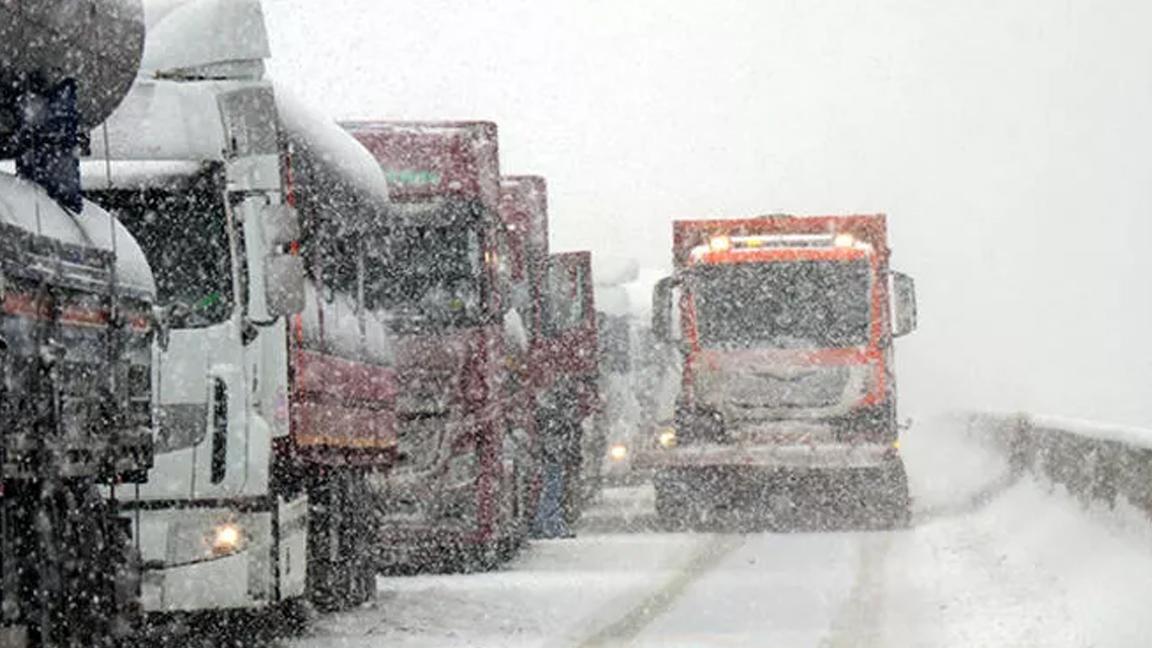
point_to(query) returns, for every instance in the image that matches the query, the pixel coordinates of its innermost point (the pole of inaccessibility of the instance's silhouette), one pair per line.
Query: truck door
(242, 381)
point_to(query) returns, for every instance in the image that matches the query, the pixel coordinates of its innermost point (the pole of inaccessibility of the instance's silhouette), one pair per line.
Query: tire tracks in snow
(860, 621)
(629, 626)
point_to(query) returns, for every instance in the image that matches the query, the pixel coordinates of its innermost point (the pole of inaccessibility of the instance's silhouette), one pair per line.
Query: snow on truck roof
(168, 129)
(26, 206)
(187, 35)
(325, 139)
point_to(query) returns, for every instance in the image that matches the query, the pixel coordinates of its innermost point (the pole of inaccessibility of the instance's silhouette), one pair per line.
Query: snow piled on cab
(184, 34)
(28, 207)
(325, 139)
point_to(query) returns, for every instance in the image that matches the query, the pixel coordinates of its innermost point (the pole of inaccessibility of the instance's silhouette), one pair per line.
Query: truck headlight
(618, 452)
(227, 538)
(197, 536)
(667, 438)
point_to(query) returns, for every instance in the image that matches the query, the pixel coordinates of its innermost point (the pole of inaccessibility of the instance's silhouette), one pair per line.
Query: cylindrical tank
(99, 43)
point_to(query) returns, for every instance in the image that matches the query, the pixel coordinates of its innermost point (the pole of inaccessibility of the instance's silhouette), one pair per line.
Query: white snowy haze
(1009, 141)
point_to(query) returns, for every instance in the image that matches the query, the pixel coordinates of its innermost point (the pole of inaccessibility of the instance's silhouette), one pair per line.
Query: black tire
(672, 504)
(71, 564)
(294, 616)
(521, 517)
(341, 569)
(891, 502)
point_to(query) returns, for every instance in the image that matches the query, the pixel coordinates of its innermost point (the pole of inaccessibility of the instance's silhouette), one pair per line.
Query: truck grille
(751, 392)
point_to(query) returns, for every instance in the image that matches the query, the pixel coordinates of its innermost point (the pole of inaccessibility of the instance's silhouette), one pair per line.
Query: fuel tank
(99, 43)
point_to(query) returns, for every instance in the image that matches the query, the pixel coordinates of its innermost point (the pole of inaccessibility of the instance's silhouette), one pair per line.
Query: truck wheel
(891, 503)
(341, 573)
(900, 497)
(672, 504)
(323, 566)
(484, 557)
(69, 559)
(519, 493)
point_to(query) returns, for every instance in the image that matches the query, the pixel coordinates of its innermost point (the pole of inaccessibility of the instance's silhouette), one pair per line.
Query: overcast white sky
(1008, 141)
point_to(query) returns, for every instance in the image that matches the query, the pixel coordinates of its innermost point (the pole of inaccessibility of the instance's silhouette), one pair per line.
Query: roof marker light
(720, 244)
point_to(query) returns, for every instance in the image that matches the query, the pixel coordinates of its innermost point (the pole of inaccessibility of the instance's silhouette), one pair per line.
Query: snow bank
(1128, 435)
(1032, 569)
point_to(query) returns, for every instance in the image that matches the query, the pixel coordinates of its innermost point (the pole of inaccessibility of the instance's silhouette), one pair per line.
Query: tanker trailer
(76, 297)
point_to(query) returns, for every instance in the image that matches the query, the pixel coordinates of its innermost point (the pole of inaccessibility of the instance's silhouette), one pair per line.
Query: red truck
(785, 329)
(570, 396)
(524, 215)
(452, 500)
(553, 386)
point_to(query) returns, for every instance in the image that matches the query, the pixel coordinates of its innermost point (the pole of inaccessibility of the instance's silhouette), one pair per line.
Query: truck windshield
(428, 274)
(183, 232)
(802, 304)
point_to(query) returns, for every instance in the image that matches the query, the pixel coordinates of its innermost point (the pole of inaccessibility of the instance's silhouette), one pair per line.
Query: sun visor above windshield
(98, 175)
(779, 231)
(163, 120)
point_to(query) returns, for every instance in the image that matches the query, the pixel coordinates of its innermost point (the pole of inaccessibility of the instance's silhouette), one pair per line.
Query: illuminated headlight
(618, 452)
(227, 538)
(202, 535)
(844, 240)
(667, 438)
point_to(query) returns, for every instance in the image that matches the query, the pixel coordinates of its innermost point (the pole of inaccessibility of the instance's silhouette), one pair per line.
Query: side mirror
(666, 310)
(284, 284)
(283, 272)
(281, 225)
(903, 304)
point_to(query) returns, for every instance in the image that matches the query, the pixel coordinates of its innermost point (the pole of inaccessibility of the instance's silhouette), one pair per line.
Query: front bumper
(178, 581)
(825, 456)
(211, 585)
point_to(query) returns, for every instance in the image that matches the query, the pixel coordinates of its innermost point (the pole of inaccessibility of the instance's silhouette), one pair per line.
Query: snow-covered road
(987, 563)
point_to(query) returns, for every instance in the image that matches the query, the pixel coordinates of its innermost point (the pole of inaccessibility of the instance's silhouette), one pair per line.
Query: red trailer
(451, 499)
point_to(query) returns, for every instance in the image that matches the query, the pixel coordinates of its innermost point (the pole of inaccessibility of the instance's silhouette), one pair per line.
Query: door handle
(219, 463)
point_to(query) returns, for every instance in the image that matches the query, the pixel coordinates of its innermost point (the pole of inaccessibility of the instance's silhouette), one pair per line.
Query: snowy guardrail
(1094, 461)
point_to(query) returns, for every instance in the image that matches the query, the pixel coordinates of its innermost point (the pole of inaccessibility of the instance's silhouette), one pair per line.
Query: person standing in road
(549, 521)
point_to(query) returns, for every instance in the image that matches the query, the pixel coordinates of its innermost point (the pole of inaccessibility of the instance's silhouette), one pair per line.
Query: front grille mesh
(818, 387)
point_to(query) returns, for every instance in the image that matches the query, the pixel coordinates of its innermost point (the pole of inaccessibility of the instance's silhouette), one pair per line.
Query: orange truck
(784, 326)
